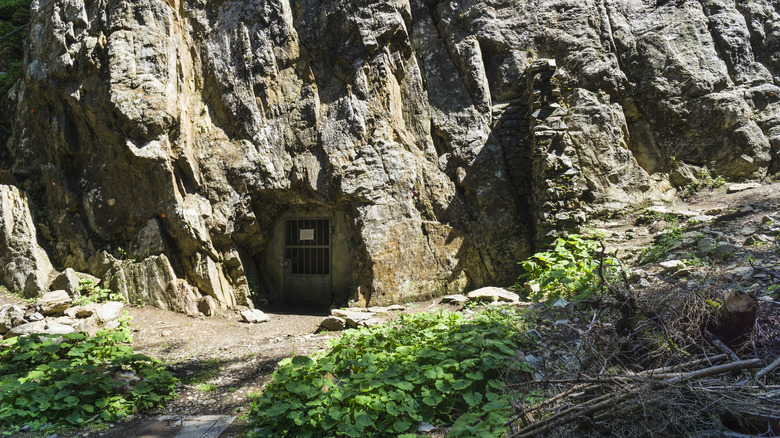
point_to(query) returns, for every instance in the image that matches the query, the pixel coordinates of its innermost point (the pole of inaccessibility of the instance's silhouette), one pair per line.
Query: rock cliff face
(162, 141)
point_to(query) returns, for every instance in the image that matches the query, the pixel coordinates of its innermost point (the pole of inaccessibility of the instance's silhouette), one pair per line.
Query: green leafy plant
(668, 241)
(570, 270)
(705, 181)
(91, 293)
(383, 381)
(51, 381)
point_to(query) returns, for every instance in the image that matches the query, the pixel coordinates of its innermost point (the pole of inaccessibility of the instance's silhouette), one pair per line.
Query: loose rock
(207, 305)
(254, 316)
(734, 188)
(492, 294)
(54, 303)
(333, 323)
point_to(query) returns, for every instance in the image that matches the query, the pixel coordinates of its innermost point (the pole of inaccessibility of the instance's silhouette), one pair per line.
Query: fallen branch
(622, 389)
(768, 369)
(720, 345)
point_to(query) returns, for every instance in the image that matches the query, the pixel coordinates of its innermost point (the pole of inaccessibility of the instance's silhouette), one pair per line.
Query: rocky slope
(160, 142)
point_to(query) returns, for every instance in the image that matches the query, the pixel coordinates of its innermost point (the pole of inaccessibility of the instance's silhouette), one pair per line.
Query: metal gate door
(307, 252)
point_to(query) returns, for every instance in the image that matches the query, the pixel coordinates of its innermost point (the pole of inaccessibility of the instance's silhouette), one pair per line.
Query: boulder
(24, 265)
(254, 316)
(26, 329)
(56, 328)
(109, 312)
(70, 281)
(10, 316)
(333, 323)
(54, 303)
(492, 294)
(208, 306)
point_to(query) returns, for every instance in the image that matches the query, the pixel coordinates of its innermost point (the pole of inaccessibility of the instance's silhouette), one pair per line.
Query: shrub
(69, 380)
(383, 381)
(570, 270)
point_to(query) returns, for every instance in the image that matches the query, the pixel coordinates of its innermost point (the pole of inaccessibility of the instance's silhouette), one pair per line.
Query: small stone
(742, 271)
(560, 302)
(734, 188)
(493, 294)
(453, 299)
(396, 308)
(333, 323)
(35, 317)
(84, 312)
(672, 265)
(254, 316)
(643, 282)
(354, 319)
(683, 272)
(54, 303)
(426, 427)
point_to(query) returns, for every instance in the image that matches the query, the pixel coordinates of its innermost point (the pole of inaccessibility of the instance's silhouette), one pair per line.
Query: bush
(383, 381)
(570, 270)
(69, 380)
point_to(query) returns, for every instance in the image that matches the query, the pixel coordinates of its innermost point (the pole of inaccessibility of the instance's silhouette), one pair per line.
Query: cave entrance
(307, 260)
(306, 266)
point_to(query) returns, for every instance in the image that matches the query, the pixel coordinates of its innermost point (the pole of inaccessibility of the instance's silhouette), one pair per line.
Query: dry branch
(623, 391)
(768, 369)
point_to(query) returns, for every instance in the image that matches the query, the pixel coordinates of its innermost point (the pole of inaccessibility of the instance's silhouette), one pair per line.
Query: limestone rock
(254, 316)
(10, 316)
(24, 265)
(333, 323)
(54, 303)
(454, 299)
(80, 311)
(70, 281)
(67, 281)
(56, 328)
(451, 138)
(109, 312)
(354, 319)
(493, 294)
(672, 265)
(734, 188)
(26, 329)
(208, 306)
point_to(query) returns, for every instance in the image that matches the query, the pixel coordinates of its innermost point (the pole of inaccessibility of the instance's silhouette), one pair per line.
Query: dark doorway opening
(307, 262)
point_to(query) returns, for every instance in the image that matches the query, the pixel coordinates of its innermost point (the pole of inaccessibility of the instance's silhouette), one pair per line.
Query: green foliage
(69, 380)
(90, 293)
(705, 181)
(383, 381)
(570, 270)
(13, 15)
(670, 240)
